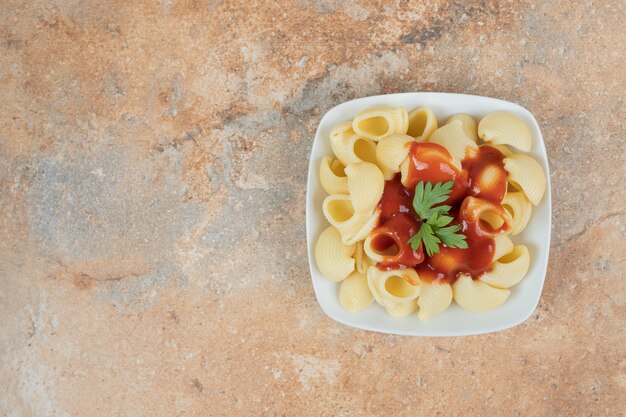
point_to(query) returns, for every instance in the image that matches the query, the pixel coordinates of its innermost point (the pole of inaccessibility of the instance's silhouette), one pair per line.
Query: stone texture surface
(152, 182)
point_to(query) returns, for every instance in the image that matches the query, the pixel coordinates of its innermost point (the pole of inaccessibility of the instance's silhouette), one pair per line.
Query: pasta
(430, 154)
(434, 299)
(392, 290)
(452, 137)
(333, 258)
(333, 176)
(476, 295)
(470, 128)
(390, 152)
(354, 293)
(491, 219)
(361, 259)
(504, 149)
(340, 132)
(366, 184)
(421, 215)
(502, 128)
(490, 177)
(520, 209)
(503, 245)
(404, 171)
(376, 255)
(509, 269)
(352, 225)
(527, 175)
(378, 122)
(351, 148)
(402, 309)
(422, 123)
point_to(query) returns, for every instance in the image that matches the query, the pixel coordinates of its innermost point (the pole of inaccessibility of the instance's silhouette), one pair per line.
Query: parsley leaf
(426, 235)
(450, 238)
(426, 196)
(439, 221)
(433, 230)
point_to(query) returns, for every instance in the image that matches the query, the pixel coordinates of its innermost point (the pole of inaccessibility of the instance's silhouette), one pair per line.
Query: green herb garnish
(435, 219)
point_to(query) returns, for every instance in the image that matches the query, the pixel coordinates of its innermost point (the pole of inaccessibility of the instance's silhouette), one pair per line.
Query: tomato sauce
(399, 222)
(487, 161)
(432, 162)
(449, 262)
(392, 239)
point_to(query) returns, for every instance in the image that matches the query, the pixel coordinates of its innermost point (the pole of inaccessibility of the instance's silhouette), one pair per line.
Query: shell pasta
(334, 259)
(527, 175)
(476, 295)
(453, 137)
(421, 214)
(351, 148)
(333, 176)
(422, 123)
(354, 293)
(390, 152)
(468, 124)
(365, 185)
(434, 299)
(378, 122)
(393, 291)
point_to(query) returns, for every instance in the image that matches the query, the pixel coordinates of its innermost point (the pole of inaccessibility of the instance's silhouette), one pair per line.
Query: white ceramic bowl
(455, 321)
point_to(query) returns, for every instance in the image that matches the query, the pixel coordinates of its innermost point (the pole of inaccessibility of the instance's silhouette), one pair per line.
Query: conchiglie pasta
(516, 203)
(391, 247)
(503, 128)
(476, 295)
(503, 149)
(527, 175)
(432, 153)
(390, 152)
(491, 219)
(493, 197)
(333, 176)
(491, 178)
(333, 258)
(469, 125)
(391, 288)
(402, 309)
(503, 245)
(342, 130)
(354, 293)
(362, 227)
(361, 259)
(404, 171)
(453, 138)
(365, 184)
(445, 261)
(377, 122)
(337, 209)
(422, 123)
(352, 225)
(434, 299)
(351, 148)
(509, 269)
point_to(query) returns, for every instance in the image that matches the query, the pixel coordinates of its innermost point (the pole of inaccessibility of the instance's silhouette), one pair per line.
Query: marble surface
(153, 159)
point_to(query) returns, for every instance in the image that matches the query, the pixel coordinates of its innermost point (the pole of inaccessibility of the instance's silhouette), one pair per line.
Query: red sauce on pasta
(486, 174)
(482, 176)
(450, 262)
(398, 222)
(432, 162)
(392, 238)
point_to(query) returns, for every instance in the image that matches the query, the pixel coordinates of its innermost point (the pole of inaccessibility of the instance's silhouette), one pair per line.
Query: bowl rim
(313, 186)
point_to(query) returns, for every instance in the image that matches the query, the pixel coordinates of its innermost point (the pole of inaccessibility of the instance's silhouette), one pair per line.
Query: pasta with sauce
(381, 159)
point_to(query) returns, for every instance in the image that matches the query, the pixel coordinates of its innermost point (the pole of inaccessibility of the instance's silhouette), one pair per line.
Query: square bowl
(454, 321)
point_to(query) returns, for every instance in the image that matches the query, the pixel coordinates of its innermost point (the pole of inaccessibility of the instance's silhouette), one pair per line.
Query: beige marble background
(153, 162)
